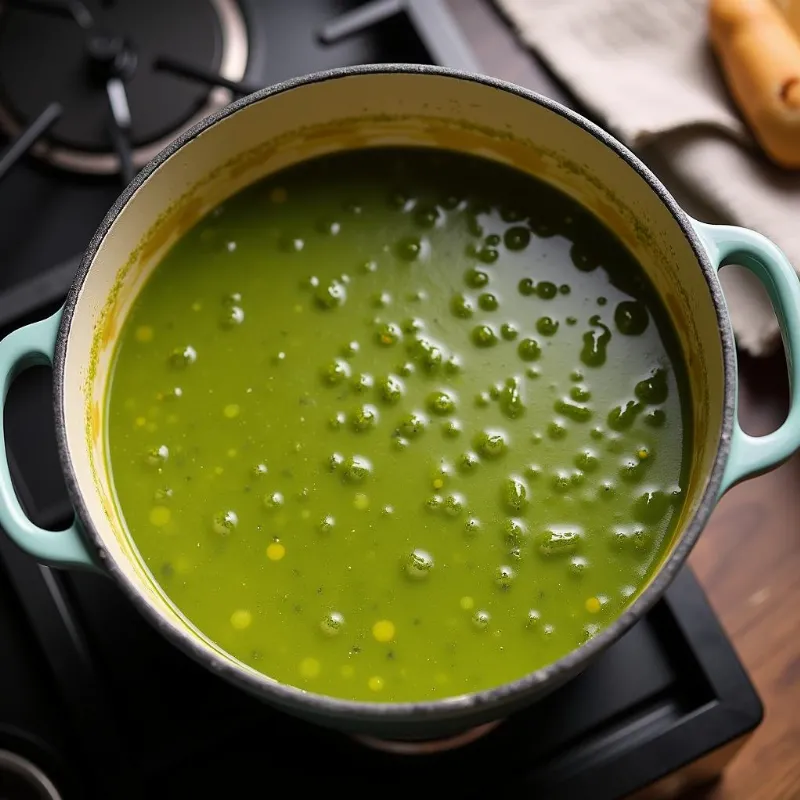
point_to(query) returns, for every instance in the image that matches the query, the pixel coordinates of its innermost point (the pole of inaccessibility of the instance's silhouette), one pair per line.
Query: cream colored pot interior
(368, 110)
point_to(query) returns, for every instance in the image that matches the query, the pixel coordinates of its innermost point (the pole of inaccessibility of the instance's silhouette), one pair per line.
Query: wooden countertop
(748, 559)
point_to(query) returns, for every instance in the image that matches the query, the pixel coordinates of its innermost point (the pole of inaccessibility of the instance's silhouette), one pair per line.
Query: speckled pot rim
(477, 704)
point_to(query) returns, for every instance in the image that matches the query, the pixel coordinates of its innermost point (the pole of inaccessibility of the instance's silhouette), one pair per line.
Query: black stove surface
(88, 691)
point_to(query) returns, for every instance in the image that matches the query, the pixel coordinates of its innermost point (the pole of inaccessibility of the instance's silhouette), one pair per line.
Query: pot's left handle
(34, 344)
(728, 244)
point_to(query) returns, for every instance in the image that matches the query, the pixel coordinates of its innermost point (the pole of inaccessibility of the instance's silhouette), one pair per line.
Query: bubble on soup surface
(631, 318)
(388, 334)
(331, 295)
(356, 469)
(462, 306)
(157, 456)
(517, 238)
(481, 620)
(183, 356)
(441, 402)
(409, 248)
(326, 524)
(231, 316)
(504, 577)
(418, 564)
(514, 493)
(365, 418)
(454, 505)
(331, 624)
(559, 541)
(224, 522)
(484, 336)
(491, 443)
(514, 531)
(529, 350)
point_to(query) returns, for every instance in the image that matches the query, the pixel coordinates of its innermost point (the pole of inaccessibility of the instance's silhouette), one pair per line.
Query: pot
(365, 107)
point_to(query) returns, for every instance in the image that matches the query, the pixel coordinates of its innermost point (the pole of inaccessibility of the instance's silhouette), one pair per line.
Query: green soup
(395, 425)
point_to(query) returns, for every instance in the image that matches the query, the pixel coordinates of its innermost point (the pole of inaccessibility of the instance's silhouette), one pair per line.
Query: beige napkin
(645, 70)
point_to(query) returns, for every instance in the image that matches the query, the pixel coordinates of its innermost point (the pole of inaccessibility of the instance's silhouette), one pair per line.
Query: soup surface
(395, 425)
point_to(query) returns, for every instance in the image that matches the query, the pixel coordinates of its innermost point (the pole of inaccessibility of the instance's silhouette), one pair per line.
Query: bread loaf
(760, 56)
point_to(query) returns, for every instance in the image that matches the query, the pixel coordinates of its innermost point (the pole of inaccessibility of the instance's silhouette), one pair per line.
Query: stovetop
(88, 691)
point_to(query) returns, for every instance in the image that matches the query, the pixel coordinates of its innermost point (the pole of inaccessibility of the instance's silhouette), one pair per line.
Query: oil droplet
(275, 551)
(383, 630)
(375, 683)
(593, 605)
(347, 671)
(241, 619)
(331, 624)
(418, 566)
(231, 411)
(310, 667)
(144, 334)
(467, 603)
(160, 516)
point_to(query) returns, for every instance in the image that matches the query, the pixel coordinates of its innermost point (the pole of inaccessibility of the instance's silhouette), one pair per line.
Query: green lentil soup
(395, 425)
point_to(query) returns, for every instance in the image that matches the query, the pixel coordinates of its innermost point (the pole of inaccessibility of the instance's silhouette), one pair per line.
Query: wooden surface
(748, 559)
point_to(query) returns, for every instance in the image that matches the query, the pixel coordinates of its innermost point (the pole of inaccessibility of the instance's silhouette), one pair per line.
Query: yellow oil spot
(347, 671)
(383, 630)
(241, 619)
(231, 411)
(233, 452)
(305, 514)
(310, 667)
(643, 453)
(361, 502)
(440, 679)
(140, 422)
(275, 551)
(438, 483)
(197, 306)
(172, 419)
(130, 404)
(375, 683)
(160, 516)
(298, 309)
(386, 339)
(593, 605)
(144, 333)
(218, 470)
(279, 195)
(159, 395)
(467, 603)
(151, 427)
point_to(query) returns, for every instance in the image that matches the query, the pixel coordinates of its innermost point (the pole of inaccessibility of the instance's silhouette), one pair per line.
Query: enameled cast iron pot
(365, 107)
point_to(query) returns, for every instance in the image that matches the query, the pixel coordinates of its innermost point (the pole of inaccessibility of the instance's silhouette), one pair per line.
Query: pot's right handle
(727, 244)
(26, 347)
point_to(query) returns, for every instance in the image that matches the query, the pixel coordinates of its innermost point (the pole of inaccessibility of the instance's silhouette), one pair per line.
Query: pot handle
(23, 348)
(727, 244)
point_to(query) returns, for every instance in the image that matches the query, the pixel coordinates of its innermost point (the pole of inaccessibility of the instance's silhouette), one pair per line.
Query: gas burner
(431, 746)
(89, 74)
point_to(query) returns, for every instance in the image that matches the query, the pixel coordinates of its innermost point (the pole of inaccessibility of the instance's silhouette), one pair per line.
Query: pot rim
(460, 705)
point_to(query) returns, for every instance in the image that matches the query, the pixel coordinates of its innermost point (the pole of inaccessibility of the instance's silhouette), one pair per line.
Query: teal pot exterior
(370, 107)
